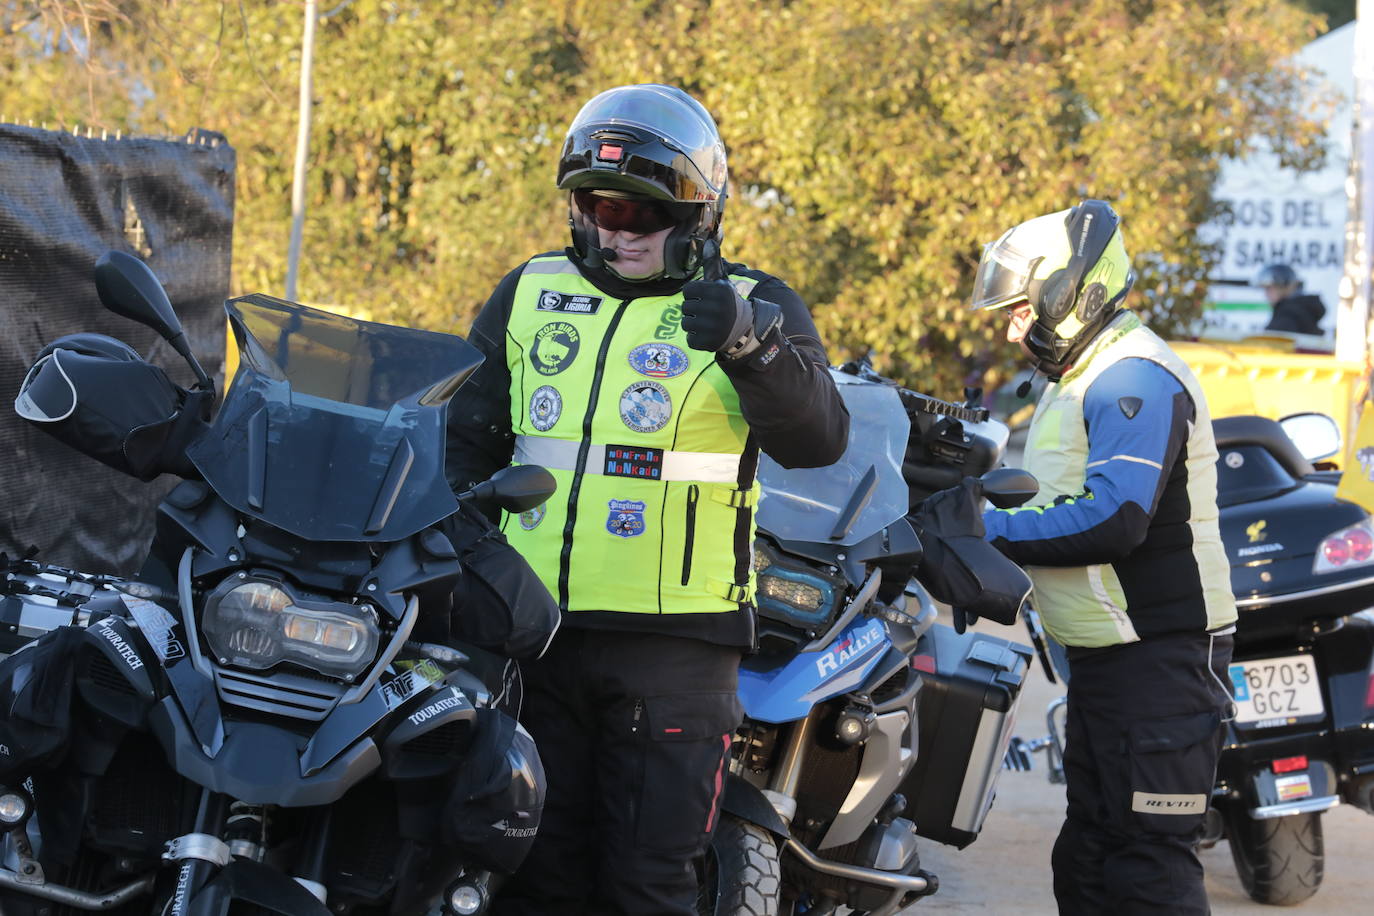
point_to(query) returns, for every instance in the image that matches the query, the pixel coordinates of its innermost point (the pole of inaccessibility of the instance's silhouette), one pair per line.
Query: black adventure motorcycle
(1301, 740)
(280, 723)
(867, 723)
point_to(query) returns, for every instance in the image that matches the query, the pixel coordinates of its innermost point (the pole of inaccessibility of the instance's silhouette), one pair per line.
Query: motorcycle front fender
(257, 884)
(747, 802)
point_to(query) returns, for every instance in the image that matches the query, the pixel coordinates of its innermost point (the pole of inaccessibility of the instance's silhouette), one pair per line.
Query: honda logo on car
(848, 650)
(452, 701)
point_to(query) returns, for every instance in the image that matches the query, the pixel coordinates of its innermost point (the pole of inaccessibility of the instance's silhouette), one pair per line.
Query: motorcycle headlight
(257, 623)
(791, 591)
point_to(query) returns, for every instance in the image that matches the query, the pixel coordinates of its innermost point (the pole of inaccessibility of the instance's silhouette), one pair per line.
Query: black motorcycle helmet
(647, 141)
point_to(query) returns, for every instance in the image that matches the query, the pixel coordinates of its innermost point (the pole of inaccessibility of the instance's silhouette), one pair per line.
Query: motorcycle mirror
(515, 489)
(128, 287)
(1007, 488)
(1315, 434)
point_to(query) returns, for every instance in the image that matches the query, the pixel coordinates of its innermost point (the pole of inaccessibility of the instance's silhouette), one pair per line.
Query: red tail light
(924, 663)
(1350, 547)
(1289, 764)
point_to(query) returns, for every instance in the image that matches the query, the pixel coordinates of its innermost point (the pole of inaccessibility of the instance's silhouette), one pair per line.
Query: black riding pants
(633, 731)
(1143, 736)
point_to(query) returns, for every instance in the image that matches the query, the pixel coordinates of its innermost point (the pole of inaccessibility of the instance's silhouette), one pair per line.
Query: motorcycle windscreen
(857, 496)
(333, 428)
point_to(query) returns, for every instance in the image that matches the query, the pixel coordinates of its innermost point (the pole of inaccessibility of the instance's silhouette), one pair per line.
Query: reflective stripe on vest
(561, 455)
(646, 441)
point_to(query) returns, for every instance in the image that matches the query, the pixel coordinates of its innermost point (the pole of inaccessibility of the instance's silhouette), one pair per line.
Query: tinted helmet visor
(637, 215)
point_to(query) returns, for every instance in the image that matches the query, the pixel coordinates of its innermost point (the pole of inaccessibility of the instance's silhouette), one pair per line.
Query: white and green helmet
(1072, 268)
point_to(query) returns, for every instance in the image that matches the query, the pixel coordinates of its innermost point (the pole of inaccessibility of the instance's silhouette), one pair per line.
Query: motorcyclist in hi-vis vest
(1124, 548)
(645, 374)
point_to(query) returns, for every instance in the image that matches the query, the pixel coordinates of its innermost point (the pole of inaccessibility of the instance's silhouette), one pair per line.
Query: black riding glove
(714, 315)
(717, 318)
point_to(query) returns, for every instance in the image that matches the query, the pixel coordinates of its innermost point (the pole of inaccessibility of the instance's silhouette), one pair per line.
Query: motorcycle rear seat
(1235, 432)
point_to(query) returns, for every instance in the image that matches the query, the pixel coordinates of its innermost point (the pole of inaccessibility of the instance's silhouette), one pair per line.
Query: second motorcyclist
(1123, 546)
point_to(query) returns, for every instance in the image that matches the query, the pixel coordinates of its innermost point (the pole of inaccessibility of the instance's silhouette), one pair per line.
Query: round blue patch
(658, 360)
(645, 407)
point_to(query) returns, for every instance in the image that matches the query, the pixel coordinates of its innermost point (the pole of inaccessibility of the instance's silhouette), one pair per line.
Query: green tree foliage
(875, 145)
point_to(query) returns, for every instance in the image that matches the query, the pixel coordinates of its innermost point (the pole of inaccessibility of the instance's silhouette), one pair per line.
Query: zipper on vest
(582, 450)
(693, 492)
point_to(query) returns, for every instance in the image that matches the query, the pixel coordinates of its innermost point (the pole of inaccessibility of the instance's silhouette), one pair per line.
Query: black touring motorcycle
(1302, 737)
(274, 718)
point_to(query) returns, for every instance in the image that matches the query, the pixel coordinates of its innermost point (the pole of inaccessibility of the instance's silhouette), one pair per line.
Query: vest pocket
(693, 492)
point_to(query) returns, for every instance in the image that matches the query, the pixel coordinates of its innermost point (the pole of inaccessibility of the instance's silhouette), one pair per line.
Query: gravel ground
(1007, 870)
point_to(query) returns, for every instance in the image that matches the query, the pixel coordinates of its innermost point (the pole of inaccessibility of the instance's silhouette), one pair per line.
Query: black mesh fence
(64, 201)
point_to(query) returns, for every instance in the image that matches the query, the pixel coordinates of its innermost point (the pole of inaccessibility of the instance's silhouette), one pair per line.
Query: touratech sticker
(645, 407)
(126, 651)
(626, 519)
(555, 347)
(530, 518)
(658, 360)
(546, 406)
(567, 303)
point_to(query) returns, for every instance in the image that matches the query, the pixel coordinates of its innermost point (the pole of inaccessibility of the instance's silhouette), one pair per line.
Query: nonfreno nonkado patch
(634, 461)
(555, 347)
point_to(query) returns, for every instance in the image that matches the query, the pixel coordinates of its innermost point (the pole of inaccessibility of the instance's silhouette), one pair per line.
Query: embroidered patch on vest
(626, 519)
(668, 323)
(645, 407)
(568, 303)
(546, 406)
(530, 518)
(555, 347)
(658, 360)
(632, 461)
(1130, 406)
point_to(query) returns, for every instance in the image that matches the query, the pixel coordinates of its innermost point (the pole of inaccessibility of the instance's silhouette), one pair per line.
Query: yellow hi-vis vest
(655, 468)
(1086, 605)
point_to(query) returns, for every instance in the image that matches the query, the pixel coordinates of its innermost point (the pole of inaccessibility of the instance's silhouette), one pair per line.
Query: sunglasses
(616, 214)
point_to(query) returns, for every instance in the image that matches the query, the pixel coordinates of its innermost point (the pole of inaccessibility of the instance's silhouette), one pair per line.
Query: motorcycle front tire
(1280, 860)
(741, 875)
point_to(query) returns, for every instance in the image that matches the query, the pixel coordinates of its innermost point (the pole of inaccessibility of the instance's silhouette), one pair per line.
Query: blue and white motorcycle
(824, 785)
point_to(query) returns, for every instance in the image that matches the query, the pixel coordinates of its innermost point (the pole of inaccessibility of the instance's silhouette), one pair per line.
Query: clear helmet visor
(1004, 276)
